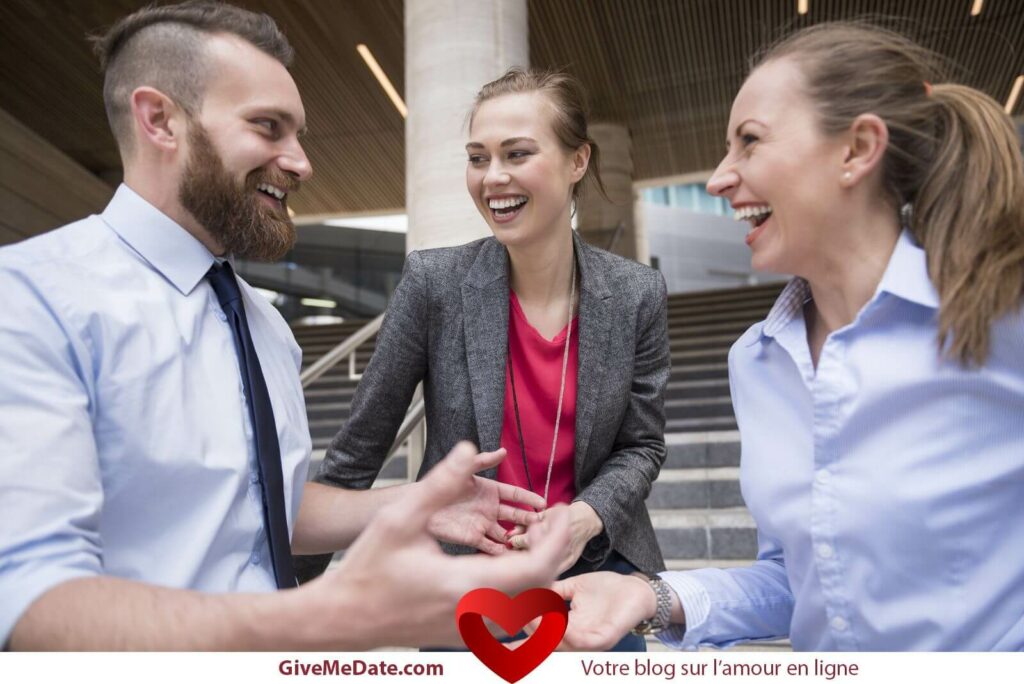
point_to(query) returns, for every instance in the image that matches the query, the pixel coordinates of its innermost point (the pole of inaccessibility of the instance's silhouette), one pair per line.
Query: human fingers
(518, 542)
(517, 515)
(552, 533)
(565, 588)
(518, 529)
(497, 533)
(536, 566)
(518, 495)
(488, 459)
(490, 547)
(449, 481)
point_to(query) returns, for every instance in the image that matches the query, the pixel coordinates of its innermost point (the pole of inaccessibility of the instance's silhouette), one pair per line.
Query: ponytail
(969, 217)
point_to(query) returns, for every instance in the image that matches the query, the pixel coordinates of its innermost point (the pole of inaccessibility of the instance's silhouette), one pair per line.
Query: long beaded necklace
(561, 394)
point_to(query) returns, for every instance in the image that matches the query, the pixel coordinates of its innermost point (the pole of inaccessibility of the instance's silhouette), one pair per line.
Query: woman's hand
(584, 525)
(604, 607)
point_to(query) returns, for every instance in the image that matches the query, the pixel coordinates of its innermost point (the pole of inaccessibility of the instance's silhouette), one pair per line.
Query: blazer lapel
(485, 321)
(594, 327)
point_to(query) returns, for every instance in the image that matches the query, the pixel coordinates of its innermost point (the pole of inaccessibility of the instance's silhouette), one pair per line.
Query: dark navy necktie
(268, 451)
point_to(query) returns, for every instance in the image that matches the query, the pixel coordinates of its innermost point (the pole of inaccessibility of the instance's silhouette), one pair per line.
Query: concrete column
(597, 219)
(451, 49)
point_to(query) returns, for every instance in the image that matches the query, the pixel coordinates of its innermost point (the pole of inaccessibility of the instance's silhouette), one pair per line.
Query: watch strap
(661, 619)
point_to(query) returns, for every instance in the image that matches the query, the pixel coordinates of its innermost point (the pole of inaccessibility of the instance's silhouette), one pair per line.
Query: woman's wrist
(585, 519)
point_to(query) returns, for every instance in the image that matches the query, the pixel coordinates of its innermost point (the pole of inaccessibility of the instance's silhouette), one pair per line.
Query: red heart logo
(511, 614)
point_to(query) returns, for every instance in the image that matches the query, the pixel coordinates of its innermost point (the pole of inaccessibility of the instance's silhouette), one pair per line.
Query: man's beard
(233, 215)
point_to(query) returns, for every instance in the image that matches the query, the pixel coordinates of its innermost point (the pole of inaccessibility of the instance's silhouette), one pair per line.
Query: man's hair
(164, 47)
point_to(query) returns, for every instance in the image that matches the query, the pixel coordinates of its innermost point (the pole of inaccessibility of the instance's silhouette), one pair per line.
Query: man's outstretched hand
(397, 584)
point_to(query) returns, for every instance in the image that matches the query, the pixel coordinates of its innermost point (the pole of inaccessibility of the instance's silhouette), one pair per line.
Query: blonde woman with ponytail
(881, 403)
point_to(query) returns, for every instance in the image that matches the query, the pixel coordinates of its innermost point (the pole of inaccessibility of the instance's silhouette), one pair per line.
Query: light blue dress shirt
(127, 448)
(887, 486)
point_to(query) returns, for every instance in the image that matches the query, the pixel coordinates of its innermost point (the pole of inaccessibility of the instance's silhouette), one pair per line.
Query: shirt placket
(829, 390)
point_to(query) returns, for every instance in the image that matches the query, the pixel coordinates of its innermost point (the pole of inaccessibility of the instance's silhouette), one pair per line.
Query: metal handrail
(616, 234)
(411, 422)
(347, 348)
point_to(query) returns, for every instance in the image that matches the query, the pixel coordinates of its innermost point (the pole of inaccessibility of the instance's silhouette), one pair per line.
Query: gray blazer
(447, 325)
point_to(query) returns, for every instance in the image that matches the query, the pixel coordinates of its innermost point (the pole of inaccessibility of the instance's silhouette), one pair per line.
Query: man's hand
(584, 525)
(604, 607)
(473, 519)
(397, 585)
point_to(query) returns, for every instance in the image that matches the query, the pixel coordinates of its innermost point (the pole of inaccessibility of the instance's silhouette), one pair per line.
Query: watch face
(645, 628)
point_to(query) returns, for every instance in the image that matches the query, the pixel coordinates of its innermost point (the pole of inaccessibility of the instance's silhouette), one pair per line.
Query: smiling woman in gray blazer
(593, 439)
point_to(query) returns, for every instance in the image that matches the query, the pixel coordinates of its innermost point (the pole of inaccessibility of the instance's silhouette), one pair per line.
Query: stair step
(711, 492)
(689, 419)
(722, 306)
(702, 454)
(726, 543)
(700, 315)
(735, 517)
(700, 424)
(691, 341)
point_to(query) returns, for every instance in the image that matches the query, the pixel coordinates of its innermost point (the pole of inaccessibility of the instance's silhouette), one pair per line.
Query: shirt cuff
(696, 606)
(597, 549)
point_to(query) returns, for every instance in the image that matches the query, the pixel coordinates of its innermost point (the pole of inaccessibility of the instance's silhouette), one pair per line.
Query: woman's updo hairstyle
(953, 157)
(569, 112)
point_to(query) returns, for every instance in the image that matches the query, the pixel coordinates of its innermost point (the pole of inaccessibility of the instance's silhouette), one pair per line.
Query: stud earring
(847, 176)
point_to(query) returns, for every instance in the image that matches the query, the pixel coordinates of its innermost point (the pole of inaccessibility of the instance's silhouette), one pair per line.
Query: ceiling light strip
(976, 7)
(383, 79)
(801, 6)
(1011, 101)
(318, 303)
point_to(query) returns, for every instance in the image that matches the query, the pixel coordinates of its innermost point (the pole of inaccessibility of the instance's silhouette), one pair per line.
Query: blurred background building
(387, 85)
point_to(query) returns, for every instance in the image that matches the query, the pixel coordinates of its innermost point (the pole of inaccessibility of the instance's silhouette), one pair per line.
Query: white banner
(559, 668)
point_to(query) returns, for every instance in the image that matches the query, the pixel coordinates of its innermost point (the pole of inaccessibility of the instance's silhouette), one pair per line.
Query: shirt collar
(789, 304)
(906, 277)
(170, 249)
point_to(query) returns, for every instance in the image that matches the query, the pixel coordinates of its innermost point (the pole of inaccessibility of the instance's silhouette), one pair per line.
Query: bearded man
(154, 433)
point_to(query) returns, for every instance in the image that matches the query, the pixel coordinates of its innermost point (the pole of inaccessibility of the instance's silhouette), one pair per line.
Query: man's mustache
(283, 181)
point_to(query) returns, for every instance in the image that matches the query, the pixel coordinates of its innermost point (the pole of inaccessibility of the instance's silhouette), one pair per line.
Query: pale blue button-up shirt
(125, 442)
(887, 485)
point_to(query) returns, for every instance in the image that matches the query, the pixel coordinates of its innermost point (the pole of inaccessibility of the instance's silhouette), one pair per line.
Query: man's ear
(157, 119)
(580, 162)
(868, 140)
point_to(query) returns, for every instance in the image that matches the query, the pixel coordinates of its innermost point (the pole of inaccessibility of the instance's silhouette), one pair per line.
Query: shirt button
(839, 624)
(255, 558)
(825, 551)
(254, 478)
(823, 477)
(222, 316)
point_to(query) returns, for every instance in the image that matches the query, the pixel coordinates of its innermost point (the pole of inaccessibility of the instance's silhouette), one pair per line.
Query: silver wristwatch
(660, 621)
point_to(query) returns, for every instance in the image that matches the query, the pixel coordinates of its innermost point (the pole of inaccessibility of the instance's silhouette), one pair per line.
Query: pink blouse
(537, 364)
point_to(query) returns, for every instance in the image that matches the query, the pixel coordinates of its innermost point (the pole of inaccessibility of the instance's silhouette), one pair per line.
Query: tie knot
(222, 279)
